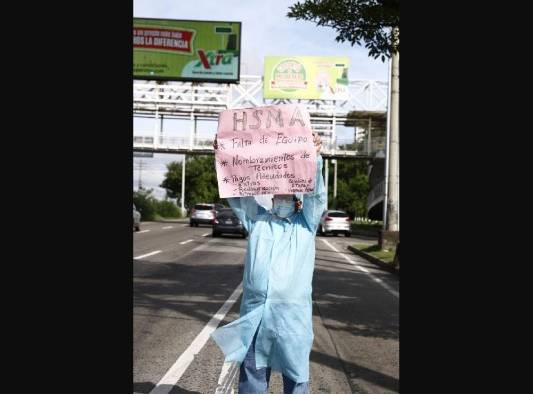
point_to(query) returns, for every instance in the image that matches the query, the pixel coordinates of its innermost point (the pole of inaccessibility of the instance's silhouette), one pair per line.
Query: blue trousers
(255, 381)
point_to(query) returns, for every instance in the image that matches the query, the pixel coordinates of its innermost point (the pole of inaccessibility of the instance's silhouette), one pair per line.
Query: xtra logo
(212, 58)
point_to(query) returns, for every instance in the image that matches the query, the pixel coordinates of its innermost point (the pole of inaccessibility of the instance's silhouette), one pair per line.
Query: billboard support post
(192, 130)
(156, 127)
(161, 128)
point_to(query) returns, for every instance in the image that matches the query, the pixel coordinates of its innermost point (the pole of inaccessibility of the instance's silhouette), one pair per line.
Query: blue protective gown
(278, 273)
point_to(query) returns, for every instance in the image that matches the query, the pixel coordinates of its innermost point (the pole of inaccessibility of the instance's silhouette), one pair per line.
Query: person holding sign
(274, 331)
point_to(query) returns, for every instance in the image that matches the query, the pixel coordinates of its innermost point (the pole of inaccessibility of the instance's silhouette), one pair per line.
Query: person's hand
(317, 141)
(298, 205)
(215, 143)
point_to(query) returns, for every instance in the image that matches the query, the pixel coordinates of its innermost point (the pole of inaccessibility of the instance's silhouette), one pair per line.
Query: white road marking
(173, 375)
(374, 278)
(227, 377)
(147, 255)
(205, 235)
(184, 242)
(166, 227)
(143, 231)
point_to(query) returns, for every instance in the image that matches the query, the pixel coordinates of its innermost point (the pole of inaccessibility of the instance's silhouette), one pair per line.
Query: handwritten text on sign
(265, 150)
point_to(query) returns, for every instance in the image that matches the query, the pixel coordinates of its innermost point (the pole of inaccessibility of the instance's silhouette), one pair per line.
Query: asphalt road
(182, 278)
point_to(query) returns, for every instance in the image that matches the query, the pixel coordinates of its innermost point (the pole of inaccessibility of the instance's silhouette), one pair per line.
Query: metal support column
(192, 130)
(334, 161)
(369, 135)
(183, 185)
(326, 176)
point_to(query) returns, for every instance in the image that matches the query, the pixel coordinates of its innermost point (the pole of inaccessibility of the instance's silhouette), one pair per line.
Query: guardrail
(363, 95)
(344, 147)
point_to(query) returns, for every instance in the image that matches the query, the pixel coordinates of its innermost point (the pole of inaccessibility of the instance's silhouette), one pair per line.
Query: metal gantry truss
(196, 101)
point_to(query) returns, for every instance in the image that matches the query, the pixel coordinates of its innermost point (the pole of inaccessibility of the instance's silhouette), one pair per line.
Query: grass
(384, 255)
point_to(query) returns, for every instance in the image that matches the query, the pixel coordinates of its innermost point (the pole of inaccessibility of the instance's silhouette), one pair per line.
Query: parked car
(335, 222)
(136, 219)
(226, 222)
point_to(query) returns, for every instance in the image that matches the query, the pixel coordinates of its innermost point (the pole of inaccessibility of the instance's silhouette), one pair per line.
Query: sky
(266, 30)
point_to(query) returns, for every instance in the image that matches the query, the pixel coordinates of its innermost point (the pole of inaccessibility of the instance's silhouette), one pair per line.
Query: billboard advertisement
(183, 50)
(306, 77)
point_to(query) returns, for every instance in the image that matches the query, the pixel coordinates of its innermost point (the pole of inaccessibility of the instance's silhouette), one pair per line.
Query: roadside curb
(374, 260)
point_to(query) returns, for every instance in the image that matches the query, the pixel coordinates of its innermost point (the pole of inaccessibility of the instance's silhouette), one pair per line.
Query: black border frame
(227, 81)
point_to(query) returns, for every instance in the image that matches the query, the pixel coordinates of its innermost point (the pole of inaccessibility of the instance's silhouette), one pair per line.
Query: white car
(204, 214)
(335, 222)
(136, 219)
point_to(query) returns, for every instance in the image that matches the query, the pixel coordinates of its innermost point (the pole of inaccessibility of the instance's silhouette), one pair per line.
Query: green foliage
(200, 180)
(352, 186)
(356, 21)
(152, 209)
(145, 203)
(167, 209)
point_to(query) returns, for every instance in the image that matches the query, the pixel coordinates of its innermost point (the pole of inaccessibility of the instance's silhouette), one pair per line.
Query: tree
(370, 21)
(352, 187)
(152, 209)
(145, 203)
(377, 23)
(200, 180)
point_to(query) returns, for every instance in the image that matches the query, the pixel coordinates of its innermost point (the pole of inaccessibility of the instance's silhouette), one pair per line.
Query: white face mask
(283, 207)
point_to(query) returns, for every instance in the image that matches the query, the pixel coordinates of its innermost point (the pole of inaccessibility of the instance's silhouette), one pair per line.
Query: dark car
(226, 222)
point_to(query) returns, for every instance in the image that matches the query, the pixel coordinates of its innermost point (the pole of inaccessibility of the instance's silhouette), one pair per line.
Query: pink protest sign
(265, 150)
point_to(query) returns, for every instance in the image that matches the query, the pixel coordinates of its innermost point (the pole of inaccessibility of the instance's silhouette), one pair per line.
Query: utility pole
(326, 176)
(393, 220)
(161, 130)
(369, 137)
(183, 185)
(334, 161)
(140, 184)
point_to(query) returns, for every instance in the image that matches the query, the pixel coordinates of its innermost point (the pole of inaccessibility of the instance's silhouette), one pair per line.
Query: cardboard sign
(265, 150)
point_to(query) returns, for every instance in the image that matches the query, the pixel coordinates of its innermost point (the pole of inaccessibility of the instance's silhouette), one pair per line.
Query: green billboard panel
(185, 50)
(306, 77)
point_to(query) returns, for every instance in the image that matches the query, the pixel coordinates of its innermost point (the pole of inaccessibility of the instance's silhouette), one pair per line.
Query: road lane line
(205, 235)
(147, 255)
(185, 242)
(143, 231)
(372, 276)
(166, 227)
(228, 375)
(173, 375)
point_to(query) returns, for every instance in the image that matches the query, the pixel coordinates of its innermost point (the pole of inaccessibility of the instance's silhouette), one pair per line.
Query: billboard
(184, 50)
(306, 77)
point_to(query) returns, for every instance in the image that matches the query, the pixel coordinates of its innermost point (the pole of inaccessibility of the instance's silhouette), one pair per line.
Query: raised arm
(314, 203)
